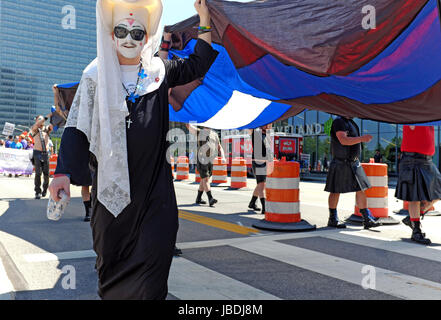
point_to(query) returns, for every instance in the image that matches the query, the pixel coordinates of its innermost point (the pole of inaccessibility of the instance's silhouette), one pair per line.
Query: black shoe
(87, 218)
(254, 207)
(200, 201)
(369, 220)
(212, 201)
(408, 223)
(333, 222)
(43, 194)
(177, 252)
(37, 195)
(417, 234)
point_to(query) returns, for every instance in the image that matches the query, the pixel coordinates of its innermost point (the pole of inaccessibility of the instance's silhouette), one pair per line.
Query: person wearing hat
(123, 95)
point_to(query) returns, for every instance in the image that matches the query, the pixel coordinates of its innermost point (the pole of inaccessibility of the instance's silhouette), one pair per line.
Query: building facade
(316, 143)
(42, 43)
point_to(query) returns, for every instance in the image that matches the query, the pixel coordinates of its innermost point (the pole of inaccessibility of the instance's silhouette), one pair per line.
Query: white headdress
(106, 132)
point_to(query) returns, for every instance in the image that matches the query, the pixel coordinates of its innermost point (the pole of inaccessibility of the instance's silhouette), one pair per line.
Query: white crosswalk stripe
(189, 280)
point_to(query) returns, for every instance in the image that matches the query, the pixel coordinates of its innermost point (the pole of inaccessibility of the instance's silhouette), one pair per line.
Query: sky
(178, 10)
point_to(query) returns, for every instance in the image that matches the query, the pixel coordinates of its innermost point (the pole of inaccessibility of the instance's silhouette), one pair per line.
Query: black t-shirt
(338, 150)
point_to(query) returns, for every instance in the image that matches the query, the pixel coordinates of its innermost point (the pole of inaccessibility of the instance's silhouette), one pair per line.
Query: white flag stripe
(282, 207)
(239, 111)
(282, 183)
(387, 281)
(191, 281)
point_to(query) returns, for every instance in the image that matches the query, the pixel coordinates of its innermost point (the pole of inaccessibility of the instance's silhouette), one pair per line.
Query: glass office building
(42, 43)
(386, 138)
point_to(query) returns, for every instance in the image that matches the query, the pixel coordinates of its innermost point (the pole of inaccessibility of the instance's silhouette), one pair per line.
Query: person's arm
(205, 20)
(183, 71)
(350, 141)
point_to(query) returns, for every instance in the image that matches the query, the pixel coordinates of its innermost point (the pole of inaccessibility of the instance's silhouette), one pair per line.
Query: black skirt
(419, 179)
(346, 176)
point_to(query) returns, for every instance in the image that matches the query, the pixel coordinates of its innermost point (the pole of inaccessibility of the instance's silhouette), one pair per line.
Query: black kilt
(258, 169)
(419, 179)
(346, 176)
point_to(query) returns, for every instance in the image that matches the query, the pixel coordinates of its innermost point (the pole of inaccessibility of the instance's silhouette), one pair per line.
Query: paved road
(224, 256)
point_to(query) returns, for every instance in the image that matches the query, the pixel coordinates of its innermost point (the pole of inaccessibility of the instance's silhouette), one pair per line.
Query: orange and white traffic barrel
(197, 176)
(282, 206)
(182, 172)
(53, 164)
(219, 171)
(377, 195)
(238, 173)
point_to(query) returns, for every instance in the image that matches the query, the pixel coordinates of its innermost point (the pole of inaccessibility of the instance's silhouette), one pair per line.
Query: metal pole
(439, 9)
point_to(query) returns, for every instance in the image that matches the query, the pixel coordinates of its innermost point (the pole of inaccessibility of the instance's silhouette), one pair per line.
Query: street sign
(8, 129)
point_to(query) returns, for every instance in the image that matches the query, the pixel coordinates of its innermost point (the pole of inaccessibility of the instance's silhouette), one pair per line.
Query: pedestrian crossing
(325, 264)
(391, 283)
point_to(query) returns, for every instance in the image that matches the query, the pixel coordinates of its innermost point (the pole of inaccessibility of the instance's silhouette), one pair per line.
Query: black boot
(87, 205)
(262, 202)
(417, 234)
(199, 198)
(252, 204)
(408, 223)
(333, 220)
(211, 200)
(368, 220)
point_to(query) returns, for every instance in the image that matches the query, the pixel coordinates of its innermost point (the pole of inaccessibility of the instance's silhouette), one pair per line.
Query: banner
(14, 161)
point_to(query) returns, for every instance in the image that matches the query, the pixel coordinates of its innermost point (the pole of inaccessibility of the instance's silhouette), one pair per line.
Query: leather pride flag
(279, 57)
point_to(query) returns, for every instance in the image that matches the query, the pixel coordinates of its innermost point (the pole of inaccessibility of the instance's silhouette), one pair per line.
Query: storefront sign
(314, 129)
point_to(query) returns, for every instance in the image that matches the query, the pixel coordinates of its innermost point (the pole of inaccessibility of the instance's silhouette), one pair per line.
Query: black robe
(135, 250)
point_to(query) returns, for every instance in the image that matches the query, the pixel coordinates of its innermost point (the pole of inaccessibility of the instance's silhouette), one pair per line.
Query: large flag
(371, 59)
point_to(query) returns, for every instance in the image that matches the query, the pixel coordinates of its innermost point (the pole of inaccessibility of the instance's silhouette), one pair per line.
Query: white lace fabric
(113, 172)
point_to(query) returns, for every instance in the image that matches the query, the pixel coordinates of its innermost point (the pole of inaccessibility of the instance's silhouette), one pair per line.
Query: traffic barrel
(282, 205)
(238, 173)
(219, 171)
(183, 170)
(405, 210)
(197, 176)
(377, 195)
(53, 164)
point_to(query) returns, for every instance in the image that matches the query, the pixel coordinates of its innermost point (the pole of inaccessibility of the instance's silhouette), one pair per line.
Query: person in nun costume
(122, 97)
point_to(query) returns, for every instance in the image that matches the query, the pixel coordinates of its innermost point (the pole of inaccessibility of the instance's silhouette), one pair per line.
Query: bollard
(182, 172)
(219, 171)
(53, 164)
(172, 165)
(377, 195)
(282, 212)
(197, 176)
(238, 173)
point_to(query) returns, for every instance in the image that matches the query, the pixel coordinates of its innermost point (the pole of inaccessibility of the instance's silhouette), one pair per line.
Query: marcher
(2, 143)
(378, 157)
(23, 142)
(208, 148)
(419, 180)
(123, 95)
(261, 144)
(325, 163)
(345, 172)
(9, 141)
(16, 144)
(40, 156)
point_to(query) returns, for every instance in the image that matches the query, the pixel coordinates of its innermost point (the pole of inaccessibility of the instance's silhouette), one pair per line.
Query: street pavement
(224, 256)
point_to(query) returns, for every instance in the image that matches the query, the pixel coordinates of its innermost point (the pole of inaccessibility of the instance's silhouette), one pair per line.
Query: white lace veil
(106, 131)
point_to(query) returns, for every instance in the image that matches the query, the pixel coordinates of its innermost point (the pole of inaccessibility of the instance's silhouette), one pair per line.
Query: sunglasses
(136, 34)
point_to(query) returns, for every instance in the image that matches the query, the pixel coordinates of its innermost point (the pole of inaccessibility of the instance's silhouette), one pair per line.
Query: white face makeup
(128, 47)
